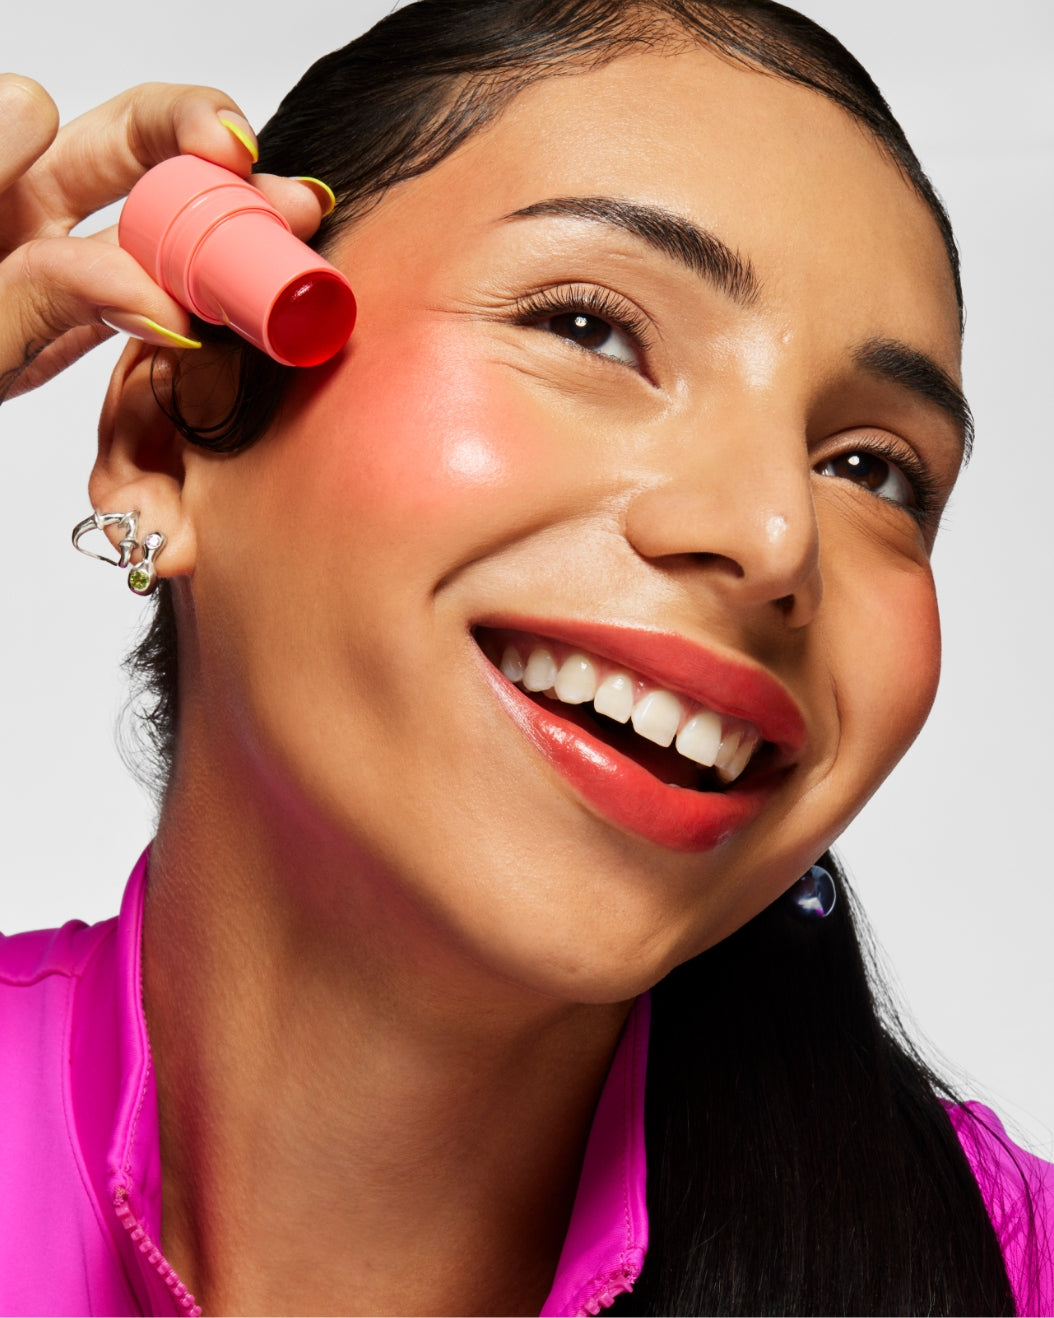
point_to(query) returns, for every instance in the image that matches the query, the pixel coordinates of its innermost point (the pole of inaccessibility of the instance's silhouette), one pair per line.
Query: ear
(140, 463)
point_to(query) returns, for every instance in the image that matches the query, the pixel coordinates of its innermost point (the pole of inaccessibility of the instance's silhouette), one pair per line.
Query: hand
(60, 296)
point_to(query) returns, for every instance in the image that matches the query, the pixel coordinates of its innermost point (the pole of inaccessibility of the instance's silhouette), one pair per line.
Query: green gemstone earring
(142, 576)
(142, 579)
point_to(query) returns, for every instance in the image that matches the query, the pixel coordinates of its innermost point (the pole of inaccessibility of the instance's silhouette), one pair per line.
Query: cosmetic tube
(215, 244)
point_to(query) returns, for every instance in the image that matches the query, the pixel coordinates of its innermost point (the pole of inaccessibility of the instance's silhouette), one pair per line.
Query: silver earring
(129, 521)
(814, 895)
(142, 577)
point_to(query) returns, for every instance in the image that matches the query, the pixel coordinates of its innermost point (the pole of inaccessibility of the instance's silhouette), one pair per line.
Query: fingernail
(240, 129)
(325, 193)
(142, 327)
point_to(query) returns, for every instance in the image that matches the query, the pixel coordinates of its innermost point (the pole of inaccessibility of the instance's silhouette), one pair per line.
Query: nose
(740, 507)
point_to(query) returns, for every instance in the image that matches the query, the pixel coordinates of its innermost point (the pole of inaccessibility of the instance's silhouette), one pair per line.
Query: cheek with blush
(898, 660)
(425, 443)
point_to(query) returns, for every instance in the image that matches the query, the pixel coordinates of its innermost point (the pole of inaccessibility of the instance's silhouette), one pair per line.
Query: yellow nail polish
(244, 137)
(328, 197)
(177, 340)
(142, 327)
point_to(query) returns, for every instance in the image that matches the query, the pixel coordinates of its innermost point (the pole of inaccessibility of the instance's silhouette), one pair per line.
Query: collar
(608, 1234)
(114, 1099)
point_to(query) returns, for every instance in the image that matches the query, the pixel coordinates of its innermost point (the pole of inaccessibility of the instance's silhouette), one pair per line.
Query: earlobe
(140, 459)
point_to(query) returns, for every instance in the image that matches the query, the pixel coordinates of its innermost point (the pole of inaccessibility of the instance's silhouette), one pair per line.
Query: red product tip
(311, 319)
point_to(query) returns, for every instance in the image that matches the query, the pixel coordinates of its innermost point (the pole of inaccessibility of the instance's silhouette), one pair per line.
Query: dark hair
(800, 1159)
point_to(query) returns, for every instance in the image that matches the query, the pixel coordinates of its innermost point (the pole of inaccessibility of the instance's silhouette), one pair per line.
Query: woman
(654, 397)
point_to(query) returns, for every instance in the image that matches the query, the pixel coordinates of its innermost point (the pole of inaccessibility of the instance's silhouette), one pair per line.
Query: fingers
(29, 121)
(53, 285)
(96, 158)
(58, 294)
(52, 359)
(302, 201)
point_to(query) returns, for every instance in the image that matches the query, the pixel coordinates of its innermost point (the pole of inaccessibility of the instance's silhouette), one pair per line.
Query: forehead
(778, 171)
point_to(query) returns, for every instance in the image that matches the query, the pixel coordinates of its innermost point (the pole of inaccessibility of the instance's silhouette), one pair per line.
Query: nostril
(729, 564)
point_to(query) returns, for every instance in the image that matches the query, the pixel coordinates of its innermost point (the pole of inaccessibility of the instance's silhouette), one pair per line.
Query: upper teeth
(703, 736)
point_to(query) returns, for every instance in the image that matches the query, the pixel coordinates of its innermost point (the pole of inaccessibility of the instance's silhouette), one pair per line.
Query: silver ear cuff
(142, 576)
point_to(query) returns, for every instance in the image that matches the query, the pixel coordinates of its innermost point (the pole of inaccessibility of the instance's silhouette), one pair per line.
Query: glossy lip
(617, 787)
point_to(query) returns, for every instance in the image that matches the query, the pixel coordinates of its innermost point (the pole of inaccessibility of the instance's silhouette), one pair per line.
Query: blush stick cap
(215, 244)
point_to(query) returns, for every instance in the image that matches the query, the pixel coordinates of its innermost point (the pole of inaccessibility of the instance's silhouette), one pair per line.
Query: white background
(952, 856)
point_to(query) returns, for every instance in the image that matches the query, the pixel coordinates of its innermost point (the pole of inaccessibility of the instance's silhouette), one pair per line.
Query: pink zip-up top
(80, 1164)
(80, 1155)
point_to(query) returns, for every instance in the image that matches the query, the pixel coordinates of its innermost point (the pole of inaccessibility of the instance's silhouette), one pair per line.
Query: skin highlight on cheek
(432, 435)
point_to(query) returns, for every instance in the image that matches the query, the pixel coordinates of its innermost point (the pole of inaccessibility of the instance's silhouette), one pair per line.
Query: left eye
(874, 473)
(593, 334)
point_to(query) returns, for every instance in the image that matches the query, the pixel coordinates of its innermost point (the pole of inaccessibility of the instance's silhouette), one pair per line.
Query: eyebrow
(901, 365)
(673, 235)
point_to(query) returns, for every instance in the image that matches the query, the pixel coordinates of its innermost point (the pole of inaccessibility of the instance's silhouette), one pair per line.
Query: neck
(355, 1115)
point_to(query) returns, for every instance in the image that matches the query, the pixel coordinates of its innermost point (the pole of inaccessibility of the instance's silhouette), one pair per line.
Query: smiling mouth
(679, 741)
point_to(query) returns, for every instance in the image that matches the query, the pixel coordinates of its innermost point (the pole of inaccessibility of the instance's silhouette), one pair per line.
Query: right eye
(593, 334)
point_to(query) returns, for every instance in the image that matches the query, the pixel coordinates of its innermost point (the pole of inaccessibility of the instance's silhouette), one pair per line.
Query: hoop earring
(142, 577)
(814, 895)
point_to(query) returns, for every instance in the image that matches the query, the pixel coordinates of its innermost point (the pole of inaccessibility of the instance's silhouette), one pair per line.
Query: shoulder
(34, 960)
(58, 1044)
(39, 973)
(1018, 1191)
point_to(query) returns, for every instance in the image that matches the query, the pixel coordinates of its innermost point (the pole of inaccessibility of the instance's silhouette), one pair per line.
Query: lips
(720, 710)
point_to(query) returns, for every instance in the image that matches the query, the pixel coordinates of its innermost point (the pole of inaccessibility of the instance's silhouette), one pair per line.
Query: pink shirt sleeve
(1018, 1190)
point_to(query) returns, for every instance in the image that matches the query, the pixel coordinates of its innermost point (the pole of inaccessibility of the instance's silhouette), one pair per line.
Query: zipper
(152, 1255)
(605, 1297)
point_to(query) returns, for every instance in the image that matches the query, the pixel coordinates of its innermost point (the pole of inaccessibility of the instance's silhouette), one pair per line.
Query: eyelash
(926, 490)
(590, 300)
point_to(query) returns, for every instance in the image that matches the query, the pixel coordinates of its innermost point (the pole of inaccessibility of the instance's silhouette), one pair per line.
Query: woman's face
(648, 393)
